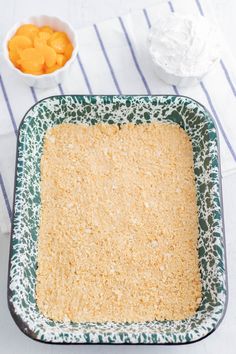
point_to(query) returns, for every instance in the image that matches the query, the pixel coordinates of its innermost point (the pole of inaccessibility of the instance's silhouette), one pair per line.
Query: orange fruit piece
(33, 54)
(14, 57)
(44, 35)
(32, 72)
(58, 42)
(46, 29)
(41, 39)
(52, 69)
(31, 60)
(49, 55)
(69, 50)
(19, 42)
(61, 59)
(15, 45)
(28, 30)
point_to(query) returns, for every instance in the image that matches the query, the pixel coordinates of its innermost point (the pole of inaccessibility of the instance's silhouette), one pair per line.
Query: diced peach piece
(61, 59)
(59, 42)
(28, 30)
(68, 50)
(50, 55)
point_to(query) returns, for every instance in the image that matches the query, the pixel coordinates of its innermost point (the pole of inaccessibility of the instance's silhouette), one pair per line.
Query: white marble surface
(81, 13)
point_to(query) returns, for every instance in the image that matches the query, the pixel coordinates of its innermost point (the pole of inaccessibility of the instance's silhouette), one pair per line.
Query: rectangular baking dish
(198, 124)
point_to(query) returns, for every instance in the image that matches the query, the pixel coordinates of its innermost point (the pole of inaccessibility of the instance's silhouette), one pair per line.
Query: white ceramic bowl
(172, 79)
(45, 80)
(183, 48)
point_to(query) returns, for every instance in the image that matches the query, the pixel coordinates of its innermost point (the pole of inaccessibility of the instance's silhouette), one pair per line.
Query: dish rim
(24, 326)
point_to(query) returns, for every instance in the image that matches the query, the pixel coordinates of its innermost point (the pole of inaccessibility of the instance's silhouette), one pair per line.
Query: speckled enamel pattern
(197, 122)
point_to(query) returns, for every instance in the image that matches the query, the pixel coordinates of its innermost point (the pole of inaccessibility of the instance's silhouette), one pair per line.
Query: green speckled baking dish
(198, 124)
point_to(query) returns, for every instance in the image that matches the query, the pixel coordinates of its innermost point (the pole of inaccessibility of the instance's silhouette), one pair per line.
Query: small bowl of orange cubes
(41, 50)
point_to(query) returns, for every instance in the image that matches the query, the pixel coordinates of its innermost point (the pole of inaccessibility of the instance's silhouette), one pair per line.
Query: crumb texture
(118, 226)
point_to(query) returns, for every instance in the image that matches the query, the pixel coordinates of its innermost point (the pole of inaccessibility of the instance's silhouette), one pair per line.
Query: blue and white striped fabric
(113, 59)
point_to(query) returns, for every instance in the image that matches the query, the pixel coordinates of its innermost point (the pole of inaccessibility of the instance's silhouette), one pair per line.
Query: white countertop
(81, 13)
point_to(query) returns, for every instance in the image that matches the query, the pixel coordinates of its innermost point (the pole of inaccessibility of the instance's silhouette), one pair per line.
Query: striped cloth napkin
(113, 59)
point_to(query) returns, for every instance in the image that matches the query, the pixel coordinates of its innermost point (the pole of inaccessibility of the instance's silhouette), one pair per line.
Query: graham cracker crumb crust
(118, 226)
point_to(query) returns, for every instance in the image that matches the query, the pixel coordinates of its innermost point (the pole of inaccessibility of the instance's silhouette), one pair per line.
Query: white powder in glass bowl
(183, 48)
